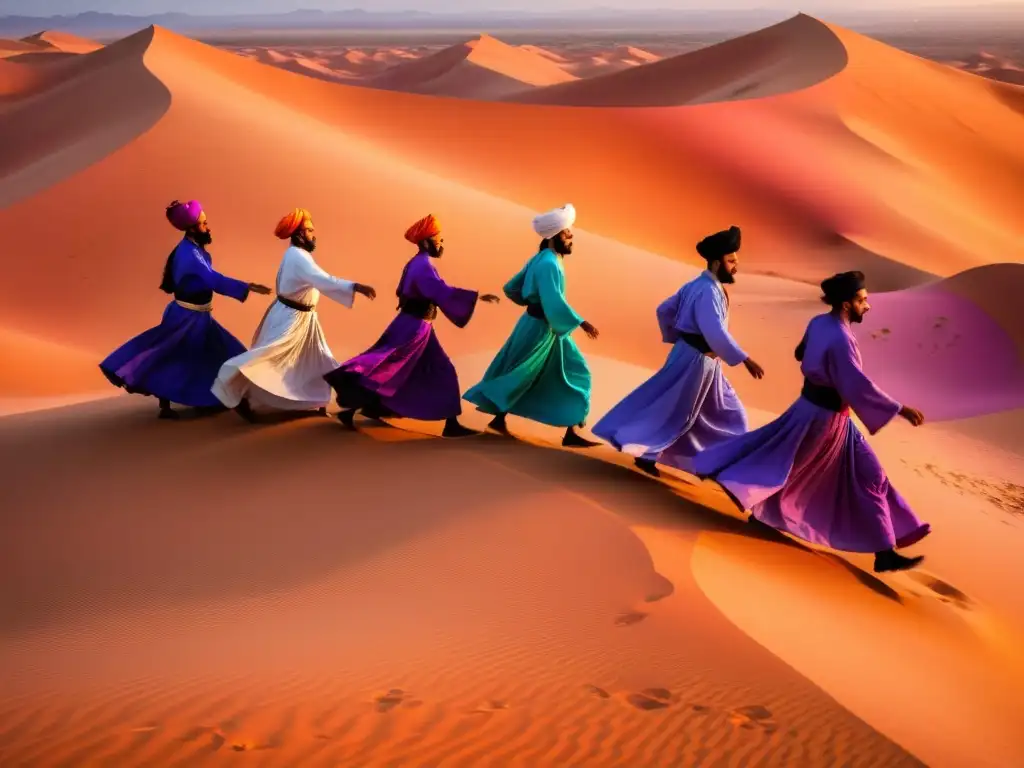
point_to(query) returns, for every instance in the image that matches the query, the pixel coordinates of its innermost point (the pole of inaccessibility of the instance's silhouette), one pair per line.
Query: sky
(144, 7)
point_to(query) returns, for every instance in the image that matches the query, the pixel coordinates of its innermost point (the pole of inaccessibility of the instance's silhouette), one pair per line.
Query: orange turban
(424, 229)
(287, 226)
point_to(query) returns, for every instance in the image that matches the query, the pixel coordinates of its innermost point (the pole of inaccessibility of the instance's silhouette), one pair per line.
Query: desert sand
(176, 592)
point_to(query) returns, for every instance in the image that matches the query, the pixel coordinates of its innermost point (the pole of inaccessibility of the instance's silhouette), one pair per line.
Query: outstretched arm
(335, 288)
(195, 275)
(710, 312)
(560, 315)
(457, 304)
(872, 406)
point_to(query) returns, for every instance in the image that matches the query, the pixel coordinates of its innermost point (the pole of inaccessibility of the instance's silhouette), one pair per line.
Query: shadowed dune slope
(794, 54)
(97, 104)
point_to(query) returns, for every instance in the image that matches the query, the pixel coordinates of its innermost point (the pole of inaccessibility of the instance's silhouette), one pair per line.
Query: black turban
(719, 245)
(841, 287)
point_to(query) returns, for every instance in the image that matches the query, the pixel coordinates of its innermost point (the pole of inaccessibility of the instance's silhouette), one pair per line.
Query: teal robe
(540, 373)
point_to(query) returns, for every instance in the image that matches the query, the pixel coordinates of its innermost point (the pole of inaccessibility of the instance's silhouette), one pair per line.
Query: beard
(725, 276)
(855, 316)
(434, 250)
(203, 238)
(560, 246)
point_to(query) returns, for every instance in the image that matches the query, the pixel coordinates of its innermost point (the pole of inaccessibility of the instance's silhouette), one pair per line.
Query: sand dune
(528, 605)
(794, 54)
(63, 42)
(995, 67)
(482, 68)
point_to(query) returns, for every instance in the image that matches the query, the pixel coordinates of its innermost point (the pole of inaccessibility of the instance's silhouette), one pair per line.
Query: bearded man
(284, 370)
(688, 405)
(407, 373)
(540, 374)
(811, 473)
(178, 360)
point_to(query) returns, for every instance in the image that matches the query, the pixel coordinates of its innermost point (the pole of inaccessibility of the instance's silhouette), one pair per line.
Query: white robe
(285, 367)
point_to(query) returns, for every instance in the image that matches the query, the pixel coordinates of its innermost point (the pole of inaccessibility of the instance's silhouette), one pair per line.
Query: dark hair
(841, 287)
(544, 244)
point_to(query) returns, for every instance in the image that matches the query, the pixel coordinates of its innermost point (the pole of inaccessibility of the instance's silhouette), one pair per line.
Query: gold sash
(207, 307)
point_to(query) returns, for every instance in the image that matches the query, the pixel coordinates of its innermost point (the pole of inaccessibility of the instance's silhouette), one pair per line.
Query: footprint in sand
(629, 618)
(651, 698)
(601, 693)
(492, 706)
(388, 701)
(217, 737)
(753, 717)
(946, 592)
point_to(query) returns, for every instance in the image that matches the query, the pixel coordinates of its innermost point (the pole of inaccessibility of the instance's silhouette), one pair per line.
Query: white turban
(549, 224)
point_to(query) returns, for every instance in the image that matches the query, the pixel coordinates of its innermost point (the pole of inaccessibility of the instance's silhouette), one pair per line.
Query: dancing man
(407, 373)
(539, 373)
(811, 473)
(178, 360)
(688, 405)
(285, 368)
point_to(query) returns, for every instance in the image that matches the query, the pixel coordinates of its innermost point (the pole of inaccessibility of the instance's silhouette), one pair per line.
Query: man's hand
(590, 330)
(489, 298)
(753, 368)
(262, 290)
(912, 415)
(365, 290)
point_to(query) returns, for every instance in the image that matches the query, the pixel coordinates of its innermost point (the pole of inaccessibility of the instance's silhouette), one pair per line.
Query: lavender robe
(179, 359)
(810, 472)
(687, 405)
(407, 372)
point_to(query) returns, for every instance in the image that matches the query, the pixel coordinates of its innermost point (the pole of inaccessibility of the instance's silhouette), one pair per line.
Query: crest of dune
(793, 54)
(63, 42)
(482, 68)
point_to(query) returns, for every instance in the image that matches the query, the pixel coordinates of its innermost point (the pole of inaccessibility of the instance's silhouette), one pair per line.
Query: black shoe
(452, 428)
(244, 410)
(573, 440)
(348, 418)
(894, 561)
(498, 424)
(647, 465)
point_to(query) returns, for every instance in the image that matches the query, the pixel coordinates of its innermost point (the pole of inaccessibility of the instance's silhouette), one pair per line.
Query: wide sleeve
(514, 288)
(195, 275)
(561, 317)
(335, 288)
(666, 314)
(457, 304)
(873, 407)
(710, 314)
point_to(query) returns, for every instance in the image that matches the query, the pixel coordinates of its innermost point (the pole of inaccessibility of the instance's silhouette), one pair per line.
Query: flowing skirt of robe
(284, 369)
(177, 360)
(407, 372)
(536, 375)
(685, 407)
(811, 473)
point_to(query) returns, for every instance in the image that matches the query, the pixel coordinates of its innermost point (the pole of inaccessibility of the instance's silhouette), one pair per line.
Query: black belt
(295, 305)
(823, 397)
(537, 311)
(204, 297)
(421, 309)
(698, 342)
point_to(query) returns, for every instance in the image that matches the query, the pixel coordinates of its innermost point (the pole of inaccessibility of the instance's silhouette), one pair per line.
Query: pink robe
(810, 472)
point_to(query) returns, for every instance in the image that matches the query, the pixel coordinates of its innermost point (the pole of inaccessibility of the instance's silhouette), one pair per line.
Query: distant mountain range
(108, 24)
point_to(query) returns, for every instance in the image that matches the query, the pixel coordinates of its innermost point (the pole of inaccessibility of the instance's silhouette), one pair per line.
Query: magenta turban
(184, 215)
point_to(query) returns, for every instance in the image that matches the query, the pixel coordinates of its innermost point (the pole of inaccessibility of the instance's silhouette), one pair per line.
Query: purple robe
(810, 472)
(407, 373)
(179, 359)
(688, 405)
